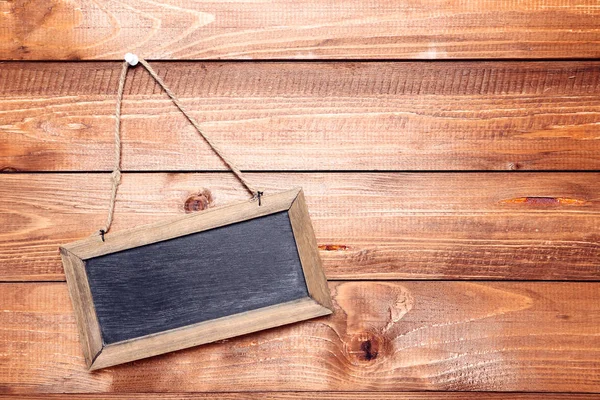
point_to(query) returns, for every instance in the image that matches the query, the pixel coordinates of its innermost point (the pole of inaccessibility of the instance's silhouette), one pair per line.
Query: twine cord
(116, 174)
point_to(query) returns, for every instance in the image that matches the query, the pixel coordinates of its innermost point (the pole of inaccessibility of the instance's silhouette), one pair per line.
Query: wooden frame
(98, 354)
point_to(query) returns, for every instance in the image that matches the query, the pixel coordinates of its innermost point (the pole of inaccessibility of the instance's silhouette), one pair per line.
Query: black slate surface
(194, 278)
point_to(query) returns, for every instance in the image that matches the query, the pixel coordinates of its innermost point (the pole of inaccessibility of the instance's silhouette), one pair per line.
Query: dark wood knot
(514, 166)
(366, 348)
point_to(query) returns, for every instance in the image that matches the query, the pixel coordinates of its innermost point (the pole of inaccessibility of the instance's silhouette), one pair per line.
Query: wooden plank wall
(448, 150)
(282, 29)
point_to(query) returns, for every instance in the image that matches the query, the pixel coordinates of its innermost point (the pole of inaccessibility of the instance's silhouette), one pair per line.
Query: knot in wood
(199, 201)
(366, 348)
(514, 166)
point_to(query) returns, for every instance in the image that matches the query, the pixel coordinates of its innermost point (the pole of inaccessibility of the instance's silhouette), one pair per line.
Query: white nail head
(131, 59)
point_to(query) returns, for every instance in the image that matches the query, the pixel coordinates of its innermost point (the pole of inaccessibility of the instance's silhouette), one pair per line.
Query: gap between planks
(313, 395)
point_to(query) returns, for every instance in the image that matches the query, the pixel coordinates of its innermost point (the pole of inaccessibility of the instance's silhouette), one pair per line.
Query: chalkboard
(195, 279)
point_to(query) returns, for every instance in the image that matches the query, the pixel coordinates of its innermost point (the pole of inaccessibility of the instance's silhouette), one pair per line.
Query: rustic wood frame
(98, 355)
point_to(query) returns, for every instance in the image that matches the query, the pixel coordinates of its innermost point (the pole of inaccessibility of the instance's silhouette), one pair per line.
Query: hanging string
(212, 145)
(132, 60)
(116, 174)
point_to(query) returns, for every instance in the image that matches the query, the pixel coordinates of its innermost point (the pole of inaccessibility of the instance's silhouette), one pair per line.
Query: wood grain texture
(170, 228)
(84, 29)
(84, 309)
(308, 251)
(376, 225)
(305, 116)
(312, 396)
(389, 336)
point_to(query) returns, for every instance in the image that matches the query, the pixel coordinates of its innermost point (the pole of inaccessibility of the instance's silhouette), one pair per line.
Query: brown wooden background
(449, 151)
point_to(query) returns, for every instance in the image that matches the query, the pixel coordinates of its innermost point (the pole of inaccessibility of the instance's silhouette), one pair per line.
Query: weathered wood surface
(389, 336)
(357, 117)
(312, 396)
(305, 116)
(377, 225)
(285, 29)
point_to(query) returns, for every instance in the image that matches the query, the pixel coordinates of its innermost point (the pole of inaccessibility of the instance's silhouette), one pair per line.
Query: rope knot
(116, 177)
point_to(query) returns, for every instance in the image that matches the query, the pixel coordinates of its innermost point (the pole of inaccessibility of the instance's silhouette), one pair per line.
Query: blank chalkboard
(195, 279)
(198, 277)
